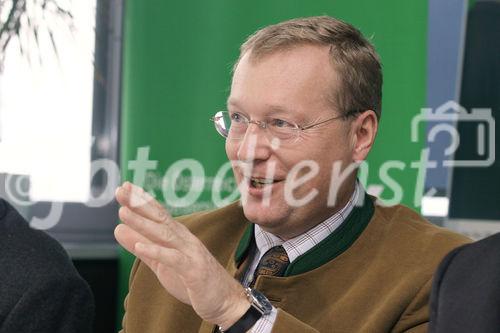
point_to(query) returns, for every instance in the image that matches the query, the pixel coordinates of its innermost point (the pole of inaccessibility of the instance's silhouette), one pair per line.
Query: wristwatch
(259, 306)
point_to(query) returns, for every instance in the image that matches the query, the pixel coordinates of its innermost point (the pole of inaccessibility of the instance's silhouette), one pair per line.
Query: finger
(168, 257)
(164, 234)
(127, 238)
(131, 195)
(141, 202)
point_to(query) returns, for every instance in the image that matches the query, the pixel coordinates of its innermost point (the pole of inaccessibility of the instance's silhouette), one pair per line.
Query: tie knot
(274, 262)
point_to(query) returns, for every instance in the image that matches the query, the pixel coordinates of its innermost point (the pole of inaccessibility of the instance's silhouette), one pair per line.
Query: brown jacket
(373, 274)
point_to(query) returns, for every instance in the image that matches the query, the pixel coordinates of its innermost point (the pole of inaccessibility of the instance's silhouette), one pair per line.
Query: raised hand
(182, 264)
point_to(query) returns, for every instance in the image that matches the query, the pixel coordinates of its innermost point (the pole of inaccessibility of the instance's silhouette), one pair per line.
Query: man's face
(291, 85)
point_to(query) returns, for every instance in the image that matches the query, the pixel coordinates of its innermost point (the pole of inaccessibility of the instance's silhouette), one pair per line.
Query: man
(466, 291)
(40, 290)
(304, 250)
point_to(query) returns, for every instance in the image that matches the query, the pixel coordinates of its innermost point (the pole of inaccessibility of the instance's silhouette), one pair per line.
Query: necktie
(274, 262)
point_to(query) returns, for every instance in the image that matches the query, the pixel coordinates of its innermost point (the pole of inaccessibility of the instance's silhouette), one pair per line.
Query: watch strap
(246, 322)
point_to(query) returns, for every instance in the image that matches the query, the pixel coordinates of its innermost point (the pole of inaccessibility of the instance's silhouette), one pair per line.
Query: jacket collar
(328, 249)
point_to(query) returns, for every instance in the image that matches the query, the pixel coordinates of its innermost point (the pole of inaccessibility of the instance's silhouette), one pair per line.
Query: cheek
(326, 160)
(231, 150)
(232, 155)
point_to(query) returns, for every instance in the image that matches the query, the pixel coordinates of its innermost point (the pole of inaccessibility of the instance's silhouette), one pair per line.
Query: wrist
(259, 307)
(236, 310)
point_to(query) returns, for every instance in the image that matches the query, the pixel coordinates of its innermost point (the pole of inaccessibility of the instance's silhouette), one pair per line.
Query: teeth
(260, 182)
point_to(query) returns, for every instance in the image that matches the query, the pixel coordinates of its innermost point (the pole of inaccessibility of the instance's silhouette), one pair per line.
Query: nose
(255, 145)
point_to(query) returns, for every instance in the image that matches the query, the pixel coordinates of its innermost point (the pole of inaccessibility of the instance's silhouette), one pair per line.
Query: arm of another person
(53, 304)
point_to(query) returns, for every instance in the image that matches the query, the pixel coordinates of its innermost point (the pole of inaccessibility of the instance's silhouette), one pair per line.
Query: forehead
(298, 81)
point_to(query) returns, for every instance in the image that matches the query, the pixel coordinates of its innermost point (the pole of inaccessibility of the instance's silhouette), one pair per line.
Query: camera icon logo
(445, 118)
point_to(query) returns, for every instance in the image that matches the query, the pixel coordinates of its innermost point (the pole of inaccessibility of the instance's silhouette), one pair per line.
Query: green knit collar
(328, 249)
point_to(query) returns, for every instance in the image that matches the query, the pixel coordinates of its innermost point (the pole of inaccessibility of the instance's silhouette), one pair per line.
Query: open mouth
(261, 182)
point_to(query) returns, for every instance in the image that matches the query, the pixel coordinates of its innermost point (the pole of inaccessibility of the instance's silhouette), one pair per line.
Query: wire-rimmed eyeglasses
(234, 125)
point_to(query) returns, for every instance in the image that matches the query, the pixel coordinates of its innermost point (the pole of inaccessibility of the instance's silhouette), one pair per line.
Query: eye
(280, 123)
(237, 118)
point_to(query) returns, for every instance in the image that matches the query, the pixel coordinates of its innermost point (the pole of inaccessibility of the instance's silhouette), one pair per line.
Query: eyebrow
(230, 101)
(273, 108)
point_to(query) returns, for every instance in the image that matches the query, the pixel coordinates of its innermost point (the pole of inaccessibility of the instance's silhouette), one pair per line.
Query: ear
(364, 129)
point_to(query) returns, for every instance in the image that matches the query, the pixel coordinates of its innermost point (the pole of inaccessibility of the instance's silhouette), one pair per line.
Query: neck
(286, 231)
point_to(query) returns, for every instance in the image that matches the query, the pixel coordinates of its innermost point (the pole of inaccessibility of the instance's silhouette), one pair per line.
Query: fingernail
(123, 211)
(127, 186)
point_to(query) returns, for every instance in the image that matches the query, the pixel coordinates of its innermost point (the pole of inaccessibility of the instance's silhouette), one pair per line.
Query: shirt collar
(300, 244)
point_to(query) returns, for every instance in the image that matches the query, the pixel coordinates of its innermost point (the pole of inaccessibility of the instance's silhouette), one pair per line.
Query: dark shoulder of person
(40, 290)
(466, 290)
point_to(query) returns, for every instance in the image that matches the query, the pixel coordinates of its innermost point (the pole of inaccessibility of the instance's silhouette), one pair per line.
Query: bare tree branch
(14, 24)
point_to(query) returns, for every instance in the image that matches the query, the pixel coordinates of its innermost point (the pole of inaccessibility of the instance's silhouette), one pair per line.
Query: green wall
(176, 74)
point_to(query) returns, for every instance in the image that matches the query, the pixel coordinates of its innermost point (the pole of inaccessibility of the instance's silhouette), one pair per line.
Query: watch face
(261, 302)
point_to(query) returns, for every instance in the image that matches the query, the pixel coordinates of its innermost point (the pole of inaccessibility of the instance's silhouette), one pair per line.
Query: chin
(269, 217)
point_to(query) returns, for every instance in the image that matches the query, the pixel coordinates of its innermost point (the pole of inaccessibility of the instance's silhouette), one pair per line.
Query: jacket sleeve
(286, 323)
(53, 304)
(135, 266)
(415, 318)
